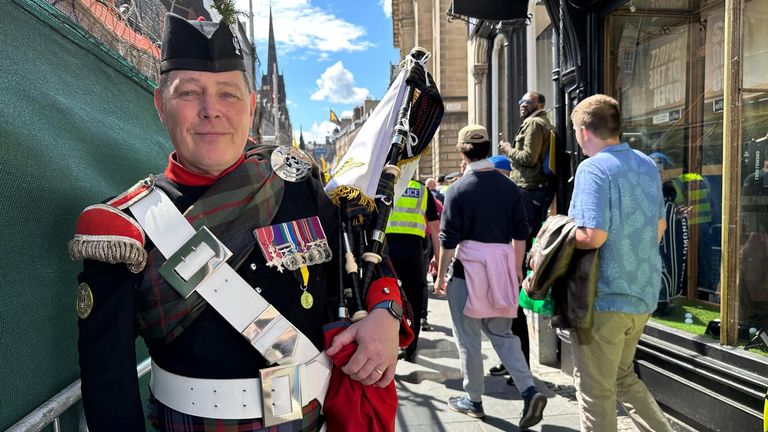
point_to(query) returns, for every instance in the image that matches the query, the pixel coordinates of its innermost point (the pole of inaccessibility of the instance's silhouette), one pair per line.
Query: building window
(753, 209)
(665, 66)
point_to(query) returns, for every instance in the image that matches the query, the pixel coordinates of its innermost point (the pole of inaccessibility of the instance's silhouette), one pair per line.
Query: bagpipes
(375, 171)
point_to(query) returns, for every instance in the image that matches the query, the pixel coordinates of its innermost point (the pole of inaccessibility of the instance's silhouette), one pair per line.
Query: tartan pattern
(426, 111)
(247, 197)
(165, 419)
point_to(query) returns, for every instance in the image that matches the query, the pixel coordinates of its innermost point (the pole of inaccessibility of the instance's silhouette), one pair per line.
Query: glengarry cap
(199, 45)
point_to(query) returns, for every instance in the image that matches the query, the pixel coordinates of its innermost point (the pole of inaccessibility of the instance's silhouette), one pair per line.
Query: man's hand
(377, 337)
(505, 146)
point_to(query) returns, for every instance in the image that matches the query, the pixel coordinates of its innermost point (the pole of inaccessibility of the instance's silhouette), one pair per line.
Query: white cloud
(386, 5)
(319, 131)
(337, 85)
(300, 24)
(346, 114)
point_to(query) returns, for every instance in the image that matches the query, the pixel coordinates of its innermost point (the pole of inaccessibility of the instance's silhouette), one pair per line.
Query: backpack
(548, 163)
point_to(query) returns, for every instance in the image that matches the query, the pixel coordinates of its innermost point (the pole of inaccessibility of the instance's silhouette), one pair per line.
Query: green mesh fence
(76, 126)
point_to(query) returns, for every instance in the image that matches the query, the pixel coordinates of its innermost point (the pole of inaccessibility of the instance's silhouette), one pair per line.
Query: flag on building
(335, 119)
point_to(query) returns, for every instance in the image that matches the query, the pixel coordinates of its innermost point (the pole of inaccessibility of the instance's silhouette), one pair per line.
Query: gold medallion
(306, 300)
(84, 304)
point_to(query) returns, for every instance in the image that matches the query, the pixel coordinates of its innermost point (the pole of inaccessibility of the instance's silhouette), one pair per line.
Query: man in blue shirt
(618, 207)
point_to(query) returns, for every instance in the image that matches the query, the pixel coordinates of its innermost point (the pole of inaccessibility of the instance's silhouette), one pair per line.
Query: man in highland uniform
(225, 265)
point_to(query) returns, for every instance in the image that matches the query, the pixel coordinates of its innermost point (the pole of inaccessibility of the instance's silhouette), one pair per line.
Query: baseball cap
(473, 134)
(500, 162)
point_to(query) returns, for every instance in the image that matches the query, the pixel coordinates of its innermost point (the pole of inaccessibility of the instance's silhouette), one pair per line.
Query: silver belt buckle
(281, 394)
(198, 258)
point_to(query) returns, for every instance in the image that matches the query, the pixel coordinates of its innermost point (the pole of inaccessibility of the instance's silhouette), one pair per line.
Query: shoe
(462, 404)
(425, 325)
(401, 354)
(533, 408)
(498, 370)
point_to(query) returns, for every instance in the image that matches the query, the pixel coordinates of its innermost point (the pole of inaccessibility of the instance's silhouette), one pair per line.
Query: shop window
(665, 68)
(665, 65)
(753, 209)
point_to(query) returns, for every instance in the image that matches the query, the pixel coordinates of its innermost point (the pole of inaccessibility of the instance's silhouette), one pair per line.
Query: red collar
(180, 175)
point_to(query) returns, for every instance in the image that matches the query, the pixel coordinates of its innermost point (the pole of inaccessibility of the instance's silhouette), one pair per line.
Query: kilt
(165, 419)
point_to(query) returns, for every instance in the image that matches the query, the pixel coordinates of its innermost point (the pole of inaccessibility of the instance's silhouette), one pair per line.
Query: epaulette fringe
(112, 251)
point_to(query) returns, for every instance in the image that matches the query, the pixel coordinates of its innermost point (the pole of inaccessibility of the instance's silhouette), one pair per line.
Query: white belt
(197, 263)
(228, 399)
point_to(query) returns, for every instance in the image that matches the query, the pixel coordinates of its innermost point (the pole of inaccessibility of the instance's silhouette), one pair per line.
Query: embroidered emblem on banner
(293, 244)
(291, 163)
(84, 302)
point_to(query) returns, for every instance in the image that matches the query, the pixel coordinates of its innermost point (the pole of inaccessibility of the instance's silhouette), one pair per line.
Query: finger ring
(380, 372)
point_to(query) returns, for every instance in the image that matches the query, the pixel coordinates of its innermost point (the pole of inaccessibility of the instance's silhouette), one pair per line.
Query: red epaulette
(105, 233)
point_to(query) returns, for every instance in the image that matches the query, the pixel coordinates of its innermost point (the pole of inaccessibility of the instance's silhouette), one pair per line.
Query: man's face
(207, 115)
(528, 104)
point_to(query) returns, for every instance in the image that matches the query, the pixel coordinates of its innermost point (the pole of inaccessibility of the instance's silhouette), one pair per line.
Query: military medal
(306, 297)
(294, 244)
(291, 163)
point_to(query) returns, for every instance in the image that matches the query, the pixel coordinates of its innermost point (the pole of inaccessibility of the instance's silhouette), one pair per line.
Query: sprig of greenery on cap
(226, 8)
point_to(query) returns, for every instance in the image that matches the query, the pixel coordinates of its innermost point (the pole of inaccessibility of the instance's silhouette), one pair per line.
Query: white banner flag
(357, 174)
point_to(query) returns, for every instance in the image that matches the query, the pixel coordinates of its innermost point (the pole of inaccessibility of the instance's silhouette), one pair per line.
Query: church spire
(271, 51)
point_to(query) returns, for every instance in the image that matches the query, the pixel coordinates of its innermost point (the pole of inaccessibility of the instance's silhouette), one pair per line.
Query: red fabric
(180, 175)
(101, 221)
(386, 288)
(351, 406)
(130, 196)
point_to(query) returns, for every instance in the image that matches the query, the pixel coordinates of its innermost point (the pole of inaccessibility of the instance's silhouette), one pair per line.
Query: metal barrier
(48, 413)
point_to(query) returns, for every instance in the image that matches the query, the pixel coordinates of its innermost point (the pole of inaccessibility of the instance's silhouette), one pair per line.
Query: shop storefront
(692, 81)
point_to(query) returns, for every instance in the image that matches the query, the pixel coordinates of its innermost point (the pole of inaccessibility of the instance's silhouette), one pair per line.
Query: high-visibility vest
(407, 215)
(765, 413)
(692, 190)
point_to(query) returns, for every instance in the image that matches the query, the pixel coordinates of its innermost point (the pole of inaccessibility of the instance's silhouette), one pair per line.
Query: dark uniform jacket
(209, 347)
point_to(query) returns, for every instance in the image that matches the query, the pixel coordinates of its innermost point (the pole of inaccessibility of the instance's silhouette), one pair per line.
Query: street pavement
(423, 388)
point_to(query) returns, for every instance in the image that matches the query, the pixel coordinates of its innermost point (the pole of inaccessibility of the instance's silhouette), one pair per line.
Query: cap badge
(236, 43)
(84, 302)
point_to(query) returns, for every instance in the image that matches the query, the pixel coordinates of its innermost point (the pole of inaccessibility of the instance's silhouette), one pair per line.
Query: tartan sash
(246, 198)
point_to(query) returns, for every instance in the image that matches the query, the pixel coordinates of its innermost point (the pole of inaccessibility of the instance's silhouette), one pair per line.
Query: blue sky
(332, 53)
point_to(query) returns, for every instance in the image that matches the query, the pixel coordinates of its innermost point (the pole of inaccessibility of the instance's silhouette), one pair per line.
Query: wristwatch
(392, 307)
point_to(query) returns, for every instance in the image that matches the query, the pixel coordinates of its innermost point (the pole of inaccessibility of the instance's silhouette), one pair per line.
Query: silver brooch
(291, 164)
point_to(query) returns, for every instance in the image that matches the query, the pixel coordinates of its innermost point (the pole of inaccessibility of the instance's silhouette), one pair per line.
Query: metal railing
(48, 413)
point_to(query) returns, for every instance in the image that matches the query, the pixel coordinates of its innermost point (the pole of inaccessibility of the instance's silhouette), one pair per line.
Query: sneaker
(425, 325)
(498, 370)
(533, 407)
(462, 404)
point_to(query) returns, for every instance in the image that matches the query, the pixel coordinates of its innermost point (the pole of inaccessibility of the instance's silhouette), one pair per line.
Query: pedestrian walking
(484, 226)
(618, 207)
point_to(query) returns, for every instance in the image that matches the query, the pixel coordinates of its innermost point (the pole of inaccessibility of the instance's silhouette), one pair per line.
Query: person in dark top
(412, 214)
(225, 265)
(487, 237)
